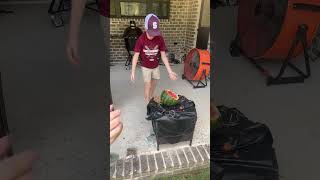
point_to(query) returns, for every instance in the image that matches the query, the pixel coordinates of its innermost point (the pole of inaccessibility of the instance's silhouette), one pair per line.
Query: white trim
(24, 2)
(164, 163)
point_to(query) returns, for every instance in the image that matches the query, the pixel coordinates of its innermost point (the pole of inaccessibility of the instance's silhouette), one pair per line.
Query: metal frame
(200, 83)
(55, 15)
(129, 60)
(301, 37)
(4, 128)
(155, 128)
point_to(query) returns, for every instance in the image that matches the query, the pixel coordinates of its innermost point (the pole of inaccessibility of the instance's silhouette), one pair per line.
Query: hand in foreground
(18, 167)
(115, 124)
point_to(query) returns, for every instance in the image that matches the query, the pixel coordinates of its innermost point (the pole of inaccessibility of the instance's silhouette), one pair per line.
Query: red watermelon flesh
(172, 94)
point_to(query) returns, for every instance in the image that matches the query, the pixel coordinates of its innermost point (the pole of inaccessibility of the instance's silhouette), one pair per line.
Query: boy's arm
(135, 61)
(137, 50)
(134, 65)
(165, 60)
(77, 11)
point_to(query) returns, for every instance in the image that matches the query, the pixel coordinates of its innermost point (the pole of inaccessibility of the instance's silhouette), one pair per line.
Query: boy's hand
(173, 75)
(4, 146)
(132, 77)
(115, 124)
(72, 50)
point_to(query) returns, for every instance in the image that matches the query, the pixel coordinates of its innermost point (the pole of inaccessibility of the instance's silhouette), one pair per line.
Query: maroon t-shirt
(150, 50)
(104, 7)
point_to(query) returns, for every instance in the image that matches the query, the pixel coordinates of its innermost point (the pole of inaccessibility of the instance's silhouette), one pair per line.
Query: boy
(150, 46)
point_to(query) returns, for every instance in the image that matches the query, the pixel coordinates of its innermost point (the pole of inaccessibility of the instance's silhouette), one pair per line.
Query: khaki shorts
(149, 74)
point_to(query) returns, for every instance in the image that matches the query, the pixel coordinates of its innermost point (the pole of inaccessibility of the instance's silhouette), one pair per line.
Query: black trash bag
(216, 172)
(235, 173)
(237, 132)
(242, 147)
(172, 124)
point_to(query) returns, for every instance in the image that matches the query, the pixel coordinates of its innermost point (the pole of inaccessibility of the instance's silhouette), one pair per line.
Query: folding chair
(130, 36)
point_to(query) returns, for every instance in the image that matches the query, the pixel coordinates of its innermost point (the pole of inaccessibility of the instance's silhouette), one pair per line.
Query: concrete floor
(53, 108)
(137, 130)
(291, 111)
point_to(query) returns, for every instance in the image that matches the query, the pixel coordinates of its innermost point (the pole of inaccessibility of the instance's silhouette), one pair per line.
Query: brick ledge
(161, 163)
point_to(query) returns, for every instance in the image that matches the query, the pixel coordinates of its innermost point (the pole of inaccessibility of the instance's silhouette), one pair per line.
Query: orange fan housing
(270, 34)
(197, 65)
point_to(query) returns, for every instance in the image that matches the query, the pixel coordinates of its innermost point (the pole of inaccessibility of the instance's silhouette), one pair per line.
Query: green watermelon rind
(215, 123)
(167, 100)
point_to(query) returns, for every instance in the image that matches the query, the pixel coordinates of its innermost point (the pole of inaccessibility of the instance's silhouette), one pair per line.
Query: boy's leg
(153, 85)
(155, 77)
(147, 73)
(147, 87)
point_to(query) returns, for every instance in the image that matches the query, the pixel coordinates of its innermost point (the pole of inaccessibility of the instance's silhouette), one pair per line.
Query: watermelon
(214, 116)
(215, 123)
(169, 98)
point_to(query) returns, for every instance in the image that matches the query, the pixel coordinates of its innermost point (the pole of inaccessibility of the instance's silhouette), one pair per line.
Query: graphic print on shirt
(151, 53)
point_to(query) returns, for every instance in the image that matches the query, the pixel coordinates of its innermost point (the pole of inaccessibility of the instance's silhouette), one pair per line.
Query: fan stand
(200, 83)
(301, 36)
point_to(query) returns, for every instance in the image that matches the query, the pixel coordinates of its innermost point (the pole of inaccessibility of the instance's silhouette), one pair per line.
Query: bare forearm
(77, 11)
(166, 62)
(134, 62)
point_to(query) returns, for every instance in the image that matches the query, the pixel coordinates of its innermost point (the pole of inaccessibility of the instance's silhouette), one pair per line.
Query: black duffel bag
(244, 149)
(172, 124)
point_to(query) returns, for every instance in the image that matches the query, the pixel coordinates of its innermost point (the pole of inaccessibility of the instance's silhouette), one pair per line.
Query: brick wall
(180, 28)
